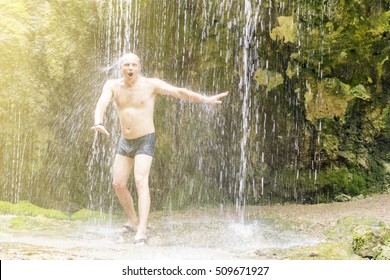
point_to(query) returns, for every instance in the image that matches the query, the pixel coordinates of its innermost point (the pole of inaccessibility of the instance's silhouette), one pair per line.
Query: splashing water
(175, 235)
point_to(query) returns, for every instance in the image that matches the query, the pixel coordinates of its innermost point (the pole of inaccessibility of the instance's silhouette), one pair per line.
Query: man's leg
(141, 175)
(122, 168)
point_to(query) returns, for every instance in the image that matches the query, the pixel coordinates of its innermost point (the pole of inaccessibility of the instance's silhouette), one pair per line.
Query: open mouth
(130, 74)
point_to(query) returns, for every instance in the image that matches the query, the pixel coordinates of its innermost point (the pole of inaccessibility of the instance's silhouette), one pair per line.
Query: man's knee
(141, 182)
(119, 185)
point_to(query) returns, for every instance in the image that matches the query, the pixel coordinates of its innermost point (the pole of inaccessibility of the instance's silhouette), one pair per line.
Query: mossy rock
(268, 78)
(19, 222)
(6, 207)
(345, 227)
(29, 209)
(342, 181)
(366, 237)
(368, 241)
(33, 223)
(324, 251)
(343, 198)
(330, 98)
(286, 31)
(384, 254)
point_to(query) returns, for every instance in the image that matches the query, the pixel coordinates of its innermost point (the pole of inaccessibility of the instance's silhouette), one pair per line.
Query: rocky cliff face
(339, 66)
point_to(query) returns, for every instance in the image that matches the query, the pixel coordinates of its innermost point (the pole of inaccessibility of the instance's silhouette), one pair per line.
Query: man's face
(130, 66)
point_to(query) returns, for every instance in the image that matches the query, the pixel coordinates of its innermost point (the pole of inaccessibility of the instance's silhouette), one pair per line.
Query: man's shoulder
(111, 84)
(151, 81)
(154, 83)
(113, 81)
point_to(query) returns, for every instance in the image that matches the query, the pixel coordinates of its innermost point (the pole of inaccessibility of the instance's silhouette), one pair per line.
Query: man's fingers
(103, 130)
(106, 132)
(223, 94)
(100, 129)
(219, 96)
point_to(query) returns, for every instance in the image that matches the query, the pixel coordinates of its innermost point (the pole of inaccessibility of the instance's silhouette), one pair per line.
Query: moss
(331, 145)
(6, 207)
(345, 227)
(86, 214)
(19, 223)
(335, 181)
(386, 121)
(360, 92)
(330, 98)
(27, 208)
(367, 241)
(268, 78)
(30, 209)
(384, 254)
(290, 71)
(286, 31)
(34, 223)
(324, 251)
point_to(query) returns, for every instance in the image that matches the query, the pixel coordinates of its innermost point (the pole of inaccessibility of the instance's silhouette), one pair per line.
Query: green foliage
(342, 180)
(46, 47)
(343, 58)
(370, 241)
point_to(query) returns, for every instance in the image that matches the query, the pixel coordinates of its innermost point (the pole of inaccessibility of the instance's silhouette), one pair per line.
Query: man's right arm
(101, 107)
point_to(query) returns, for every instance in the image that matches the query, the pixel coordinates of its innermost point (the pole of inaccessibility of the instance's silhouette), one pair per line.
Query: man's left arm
(186, 94)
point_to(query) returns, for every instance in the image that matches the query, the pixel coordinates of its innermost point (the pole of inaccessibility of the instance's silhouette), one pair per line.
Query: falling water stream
(218, 154)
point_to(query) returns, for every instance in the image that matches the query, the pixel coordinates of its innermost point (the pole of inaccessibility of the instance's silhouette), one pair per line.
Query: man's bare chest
(133, 97)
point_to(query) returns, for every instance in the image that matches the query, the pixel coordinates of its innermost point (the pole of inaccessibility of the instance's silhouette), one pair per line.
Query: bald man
(134, 96)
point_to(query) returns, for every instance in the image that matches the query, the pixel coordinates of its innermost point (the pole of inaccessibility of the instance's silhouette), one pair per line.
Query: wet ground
(201, 234)
(265, 232)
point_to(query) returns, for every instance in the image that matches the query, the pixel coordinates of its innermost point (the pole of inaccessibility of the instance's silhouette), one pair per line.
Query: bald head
(130, 66)
(129, 57)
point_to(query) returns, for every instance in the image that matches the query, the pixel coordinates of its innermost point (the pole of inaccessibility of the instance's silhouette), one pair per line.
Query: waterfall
(254, 148)
(214, 155)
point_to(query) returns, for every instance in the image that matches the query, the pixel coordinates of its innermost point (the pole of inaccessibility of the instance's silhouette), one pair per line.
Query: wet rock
(385, 253)
(345, 227)
(358, 197)
(368, 241)
(313, 254)
(342, 198)
(323, 251)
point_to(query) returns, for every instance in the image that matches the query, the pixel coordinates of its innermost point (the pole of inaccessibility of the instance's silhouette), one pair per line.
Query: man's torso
(135, 106)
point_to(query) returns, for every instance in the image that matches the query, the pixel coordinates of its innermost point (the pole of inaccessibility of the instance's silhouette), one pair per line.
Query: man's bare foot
(139, 241)
(140, 237)
(129, 228)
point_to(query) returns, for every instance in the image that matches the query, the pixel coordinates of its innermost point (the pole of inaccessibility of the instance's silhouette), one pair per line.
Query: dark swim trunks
(143, 145)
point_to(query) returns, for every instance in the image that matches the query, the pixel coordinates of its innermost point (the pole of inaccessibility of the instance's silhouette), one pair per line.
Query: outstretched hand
(215, 99)
(100, 128)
